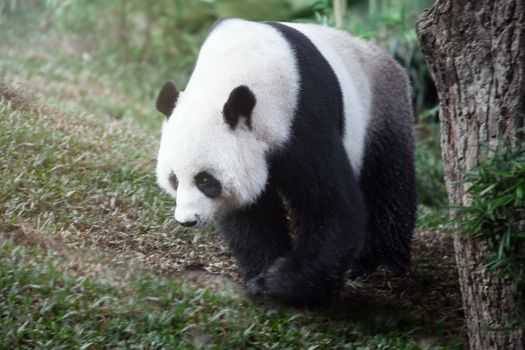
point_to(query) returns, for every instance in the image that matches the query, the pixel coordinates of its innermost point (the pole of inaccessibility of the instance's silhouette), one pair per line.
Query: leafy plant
(429, 169)
(430, 185)
(496, 216)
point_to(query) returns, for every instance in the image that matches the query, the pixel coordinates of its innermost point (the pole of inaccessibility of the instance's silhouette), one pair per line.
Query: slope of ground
(90, 256)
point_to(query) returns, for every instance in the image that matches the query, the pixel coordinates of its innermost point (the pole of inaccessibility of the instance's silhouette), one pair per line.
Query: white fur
(195, 138)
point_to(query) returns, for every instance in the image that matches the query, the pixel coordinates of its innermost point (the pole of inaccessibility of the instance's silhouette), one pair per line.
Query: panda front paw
(267, 283)
(286, 282)
(255, 285)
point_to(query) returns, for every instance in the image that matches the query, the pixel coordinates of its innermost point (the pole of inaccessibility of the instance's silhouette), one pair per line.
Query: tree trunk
(476, 54)
(123, 29)
(146, 44)
(339, 12)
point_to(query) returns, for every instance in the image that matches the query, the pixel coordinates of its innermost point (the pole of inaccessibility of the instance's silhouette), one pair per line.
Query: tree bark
(476, 53)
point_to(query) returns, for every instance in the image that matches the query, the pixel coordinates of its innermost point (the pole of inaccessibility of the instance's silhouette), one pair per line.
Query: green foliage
(391, 25)
(141, 44)
(431, 192)
(276, 10)
(429, 168)
(496, 217)
(165, 34)
(154, 41)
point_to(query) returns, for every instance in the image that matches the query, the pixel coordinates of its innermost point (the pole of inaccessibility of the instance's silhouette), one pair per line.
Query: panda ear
(167, 98)
(240, 104)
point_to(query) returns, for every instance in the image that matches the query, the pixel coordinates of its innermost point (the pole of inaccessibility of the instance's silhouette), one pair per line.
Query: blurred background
(111, 57)
(78, 135)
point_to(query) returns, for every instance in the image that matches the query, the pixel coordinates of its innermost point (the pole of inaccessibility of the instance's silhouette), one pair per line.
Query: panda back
(239, 52)
(344, 55)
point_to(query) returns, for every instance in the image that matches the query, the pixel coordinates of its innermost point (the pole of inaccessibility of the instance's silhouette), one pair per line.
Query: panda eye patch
(173, 180)
(207, 184)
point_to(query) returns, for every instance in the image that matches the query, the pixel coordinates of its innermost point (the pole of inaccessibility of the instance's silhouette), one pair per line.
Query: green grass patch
(43, 305)
(61, 178)
(93, 184)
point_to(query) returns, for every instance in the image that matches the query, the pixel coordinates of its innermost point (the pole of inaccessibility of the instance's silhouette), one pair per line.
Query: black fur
(388, 179)
(208, 184)
(167, 98)
(240, 103)
(314, 174)
(174, 182)
(257, 234)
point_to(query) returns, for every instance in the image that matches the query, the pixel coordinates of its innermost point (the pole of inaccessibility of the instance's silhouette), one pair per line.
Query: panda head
(209, 157)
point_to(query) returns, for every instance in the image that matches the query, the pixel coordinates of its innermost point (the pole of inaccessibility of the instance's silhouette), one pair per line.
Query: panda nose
(188, 223)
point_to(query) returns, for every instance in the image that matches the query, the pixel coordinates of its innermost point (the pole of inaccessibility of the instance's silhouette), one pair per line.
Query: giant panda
(287, 127)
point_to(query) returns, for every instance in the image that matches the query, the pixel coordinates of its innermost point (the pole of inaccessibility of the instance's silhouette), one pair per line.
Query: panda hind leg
(388, 185)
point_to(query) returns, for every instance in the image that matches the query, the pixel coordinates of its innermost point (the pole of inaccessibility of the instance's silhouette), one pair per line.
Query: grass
(90, 256)
(80, 206)
(94, 183)
(78, 76)
(46, 306)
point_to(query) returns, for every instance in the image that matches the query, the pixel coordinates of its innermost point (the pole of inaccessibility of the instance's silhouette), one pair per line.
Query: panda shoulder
(375, 61)
(218, 22)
